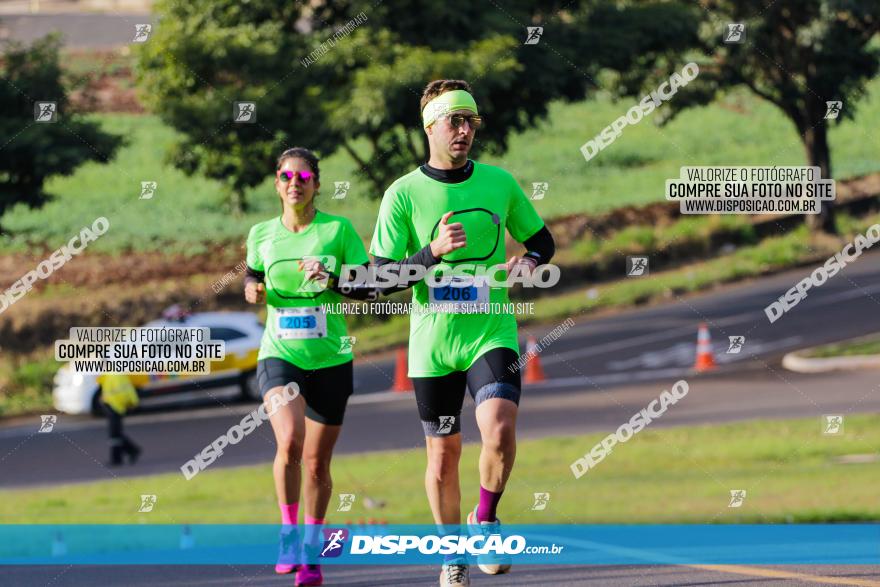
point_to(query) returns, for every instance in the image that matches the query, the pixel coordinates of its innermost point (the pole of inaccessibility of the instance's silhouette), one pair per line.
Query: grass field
(772, 254)
(189, 211)
(28, 379)
(869, 345)
(789, 469)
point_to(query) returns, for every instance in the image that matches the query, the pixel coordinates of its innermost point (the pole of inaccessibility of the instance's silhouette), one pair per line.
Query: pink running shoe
(309, 575)
(288, 552)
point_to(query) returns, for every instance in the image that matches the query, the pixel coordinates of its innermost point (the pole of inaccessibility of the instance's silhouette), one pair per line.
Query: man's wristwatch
(533, 257)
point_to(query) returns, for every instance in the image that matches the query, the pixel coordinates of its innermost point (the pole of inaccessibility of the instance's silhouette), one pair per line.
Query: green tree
(359, 91)
(796, 54)
(32, 151)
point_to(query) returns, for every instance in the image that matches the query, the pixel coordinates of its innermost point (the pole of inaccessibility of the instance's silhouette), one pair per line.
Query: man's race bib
(460, 294)
(297, 323)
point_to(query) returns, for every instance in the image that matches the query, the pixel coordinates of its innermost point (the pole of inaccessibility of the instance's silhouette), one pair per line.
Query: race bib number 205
(299, 323)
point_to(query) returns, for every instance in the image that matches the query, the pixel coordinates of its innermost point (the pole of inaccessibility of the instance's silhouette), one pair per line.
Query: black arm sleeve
(424, 257)
(254, 275)
(540, 246)
(354, 291)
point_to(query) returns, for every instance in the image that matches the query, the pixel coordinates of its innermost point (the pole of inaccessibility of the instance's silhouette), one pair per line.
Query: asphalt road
(599, 373)
(363, 576)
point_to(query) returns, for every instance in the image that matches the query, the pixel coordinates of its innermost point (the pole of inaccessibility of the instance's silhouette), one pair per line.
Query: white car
(76, 393)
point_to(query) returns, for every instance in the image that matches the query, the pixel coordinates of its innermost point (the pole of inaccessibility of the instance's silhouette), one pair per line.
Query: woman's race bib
(298, 323)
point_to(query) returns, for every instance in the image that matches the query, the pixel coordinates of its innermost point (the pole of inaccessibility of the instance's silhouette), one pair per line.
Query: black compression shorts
(325, 390)
(492, 375)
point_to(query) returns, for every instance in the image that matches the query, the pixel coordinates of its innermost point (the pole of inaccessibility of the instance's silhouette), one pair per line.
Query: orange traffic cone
(401, 380)
(534, 371)
(705, 360)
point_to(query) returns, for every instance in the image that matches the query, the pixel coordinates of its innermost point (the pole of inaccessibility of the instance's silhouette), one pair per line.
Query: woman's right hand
(255, 292)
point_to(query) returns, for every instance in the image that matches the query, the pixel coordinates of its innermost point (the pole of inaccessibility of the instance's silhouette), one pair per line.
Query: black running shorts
(493, 374)
(325, 390)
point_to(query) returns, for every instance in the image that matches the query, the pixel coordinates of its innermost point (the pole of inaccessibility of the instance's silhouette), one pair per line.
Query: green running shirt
(297, 329)
(486, 203)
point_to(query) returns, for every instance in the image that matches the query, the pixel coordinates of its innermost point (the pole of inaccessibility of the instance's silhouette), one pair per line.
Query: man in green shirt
(451, 214)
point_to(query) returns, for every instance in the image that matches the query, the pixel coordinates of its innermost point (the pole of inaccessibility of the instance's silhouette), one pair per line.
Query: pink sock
(289, 513)
(488, 503)
(312, 535)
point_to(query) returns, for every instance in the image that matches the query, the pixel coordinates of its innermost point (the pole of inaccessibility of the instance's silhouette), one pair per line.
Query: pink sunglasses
(286, 176)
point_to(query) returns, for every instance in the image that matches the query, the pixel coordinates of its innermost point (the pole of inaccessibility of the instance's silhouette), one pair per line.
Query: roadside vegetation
(791, 473)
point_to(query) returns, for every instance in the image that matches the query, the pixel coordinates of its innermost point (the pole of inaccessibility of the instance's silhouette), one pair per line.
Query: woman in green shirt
(305, 350)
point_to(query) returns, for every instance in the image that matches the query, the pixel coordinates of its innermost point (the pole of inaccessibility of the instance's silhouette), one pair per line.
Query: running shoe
(309, 575)
(455, 574)
(288, 551)
(491, 564)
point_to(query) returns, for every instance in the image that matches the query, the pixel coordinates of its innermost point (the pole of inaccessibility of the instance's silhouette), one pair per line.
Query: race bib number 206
(459, 294)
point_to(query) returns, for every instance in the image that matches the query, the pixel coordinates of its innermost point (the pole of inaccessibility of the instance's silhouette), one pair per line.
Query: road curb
(795, 362)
